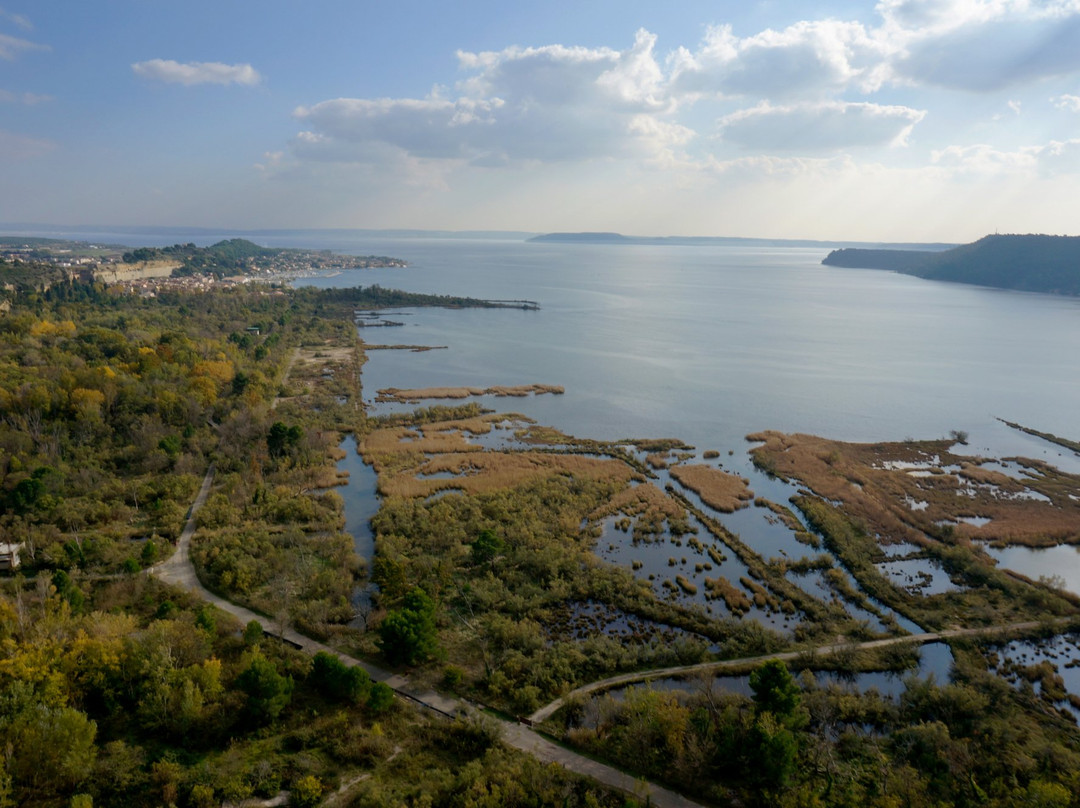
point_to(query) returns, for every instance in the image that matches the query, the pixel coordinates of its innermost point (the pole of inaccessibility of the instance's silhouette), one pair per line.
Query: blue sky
(900, 120)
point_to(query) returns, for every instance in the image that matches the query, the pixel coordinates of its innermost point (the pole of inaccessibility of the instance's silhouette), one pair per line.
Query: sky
(901, 120)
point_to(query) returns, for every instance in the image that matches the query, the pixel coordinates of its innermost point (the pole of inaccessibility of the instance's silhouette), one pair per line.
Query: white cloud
(29, 99)
(14, 146)
(12, 47)
(813, 58)
(192, 73)
(1051, 159)
(982, 45)
(545, 104)
(773, 167)
(1070, 103)
(827, 126)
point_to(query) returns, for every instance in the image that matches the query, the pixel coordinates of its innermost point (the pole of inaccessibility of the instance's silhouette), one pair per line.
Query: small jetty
(526, 305)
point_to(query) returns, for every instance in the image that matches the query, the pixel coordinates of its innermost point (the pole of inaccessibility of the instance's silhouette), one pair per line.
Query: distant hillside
(711, 241)
(1030, 263)
(232, 254)
(240, 256)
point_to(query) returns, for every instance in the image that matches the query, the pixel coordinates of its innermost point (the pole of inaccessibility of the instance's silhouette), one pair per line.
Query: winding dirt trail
(822, 650)
(179, 571)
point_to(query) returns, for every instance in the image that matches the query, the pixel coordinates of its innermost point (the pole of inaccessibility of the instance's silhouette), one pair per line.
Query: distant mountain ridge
(1029, 263)
(716, 241)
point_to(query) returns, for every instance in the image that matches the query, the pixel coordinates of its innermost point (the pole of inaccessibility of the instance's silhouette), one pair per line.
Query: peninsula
(1029, 263)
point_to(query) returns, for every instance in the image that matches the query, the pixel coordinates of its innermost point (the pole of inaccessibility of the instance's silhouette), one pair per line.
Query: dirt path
(179, 571)
(785, 656)
(285, 376)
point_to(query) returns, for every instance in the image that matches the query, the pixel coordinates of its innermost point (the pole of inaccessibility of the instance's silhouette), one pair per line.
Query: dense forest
(118, 690)
(1029, 263)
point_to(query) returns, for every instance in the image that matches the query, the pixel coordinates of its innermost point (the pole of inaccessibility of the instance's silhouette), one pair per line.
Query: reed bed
(722, 589)
(480, 472)
(762, 597)
(431, 439)
(724, 492)
(415, 395)
(875, 484)
(685, 585)
(643, 499)
(658, 460)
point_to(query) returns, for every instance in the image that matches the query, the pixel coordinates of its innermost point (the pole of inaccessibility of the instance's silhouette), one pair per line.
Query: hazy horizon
(889, 121)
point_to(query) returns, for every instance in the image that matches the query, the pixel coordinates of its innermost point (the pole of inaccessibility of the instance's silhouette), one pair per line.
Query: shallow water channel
(361, 502)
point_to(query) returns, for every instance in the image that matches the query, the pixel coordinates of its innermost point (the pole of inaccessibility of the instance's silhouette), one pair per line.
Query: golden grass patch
(478, 472)
(717, 489)
(721, 588)
(908, 491)
(645, 500)
(420, 394)
(658, 460)
(432, 439)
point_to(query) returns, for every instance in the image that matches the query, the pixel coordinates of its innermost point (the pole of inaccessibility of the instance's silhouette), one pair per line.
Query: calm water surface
(708, 344)
(711, 344)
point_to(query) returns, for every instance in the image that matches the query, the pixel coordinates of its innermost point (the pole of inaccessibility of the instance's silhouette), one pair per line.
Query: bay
(709, 344)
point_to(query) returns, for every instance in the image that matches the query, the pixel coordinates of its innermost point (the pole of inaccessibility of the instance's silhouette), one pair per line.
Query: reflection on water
(1040, 662)
(708, 345)
(1061, 562)
(361, 504)
(918, 576)
(935, 660)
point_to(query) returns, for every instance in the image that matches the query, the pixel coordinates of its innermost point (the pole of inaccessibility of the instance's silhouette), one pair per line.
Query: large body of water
(708, 344)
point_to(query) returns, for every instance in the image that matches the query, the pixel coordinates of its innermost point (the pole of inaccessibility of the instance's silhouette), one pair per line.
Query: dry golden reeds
(420, 394)
(717, 489)
(736, 600)
(908, 490)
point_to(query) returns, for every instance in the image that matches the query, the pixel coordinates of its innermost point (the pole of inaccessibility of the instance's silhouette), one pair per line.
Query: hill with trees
(238, 256)
(1029, 263)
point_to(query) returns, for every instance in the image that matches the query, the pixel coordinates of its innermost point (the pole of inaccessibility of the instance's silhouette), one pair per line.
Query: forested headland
(1029, 263)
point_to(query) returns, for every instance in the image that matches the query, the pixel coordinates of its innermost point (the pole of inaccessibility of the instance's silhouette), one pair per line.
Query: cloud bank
(193, 73)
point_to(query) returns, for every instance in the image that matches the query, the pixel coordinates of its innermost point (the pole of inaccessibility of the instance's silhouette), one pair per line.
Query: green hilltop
(1029, 263)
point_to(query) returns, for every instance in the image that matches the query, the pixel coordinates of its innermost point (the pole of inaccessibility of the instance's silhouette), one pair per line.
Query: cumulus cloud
(192, 73)
(827, 126)
(811, 57)
(972, 45)
(1070, 103)
(982, 45)
(547, 104)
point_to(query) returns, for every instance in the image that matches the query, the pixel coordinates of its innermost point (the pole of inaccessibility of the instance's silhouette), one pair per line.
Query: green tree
(337, 680)
(52, 749)
(775, 690)
(408, 635)
(282, 438)
(486, 546)
(267, 690)
(253, 633)
(380, 697)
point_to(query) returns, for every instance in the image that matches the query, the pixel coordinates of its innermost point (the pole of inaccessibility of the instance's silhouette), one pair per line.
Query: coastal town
(147, 271)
